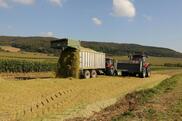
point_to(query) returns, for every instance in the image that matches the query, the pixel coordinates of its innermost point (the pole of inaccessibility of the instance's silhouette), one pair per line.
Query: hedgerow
(25, 66)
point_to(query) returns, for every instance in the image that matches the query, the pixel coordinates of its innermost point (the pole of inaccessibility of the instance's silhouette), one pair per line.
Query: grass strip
(142, 97)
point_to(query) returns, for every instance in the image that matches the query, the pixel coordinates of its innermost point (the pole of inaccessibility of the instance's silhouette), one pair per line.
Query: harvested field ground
(28, 56)
(59, 99)
(10, 49)
(27, 76)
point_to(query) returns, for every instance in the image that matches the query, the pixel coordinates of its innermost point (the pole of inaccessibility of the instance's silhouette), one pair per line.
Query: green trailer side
(64, 43)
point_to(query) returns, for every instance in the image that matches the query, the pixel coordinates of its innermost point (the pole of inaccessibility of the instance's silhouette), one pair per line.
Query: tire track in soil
(96, 90)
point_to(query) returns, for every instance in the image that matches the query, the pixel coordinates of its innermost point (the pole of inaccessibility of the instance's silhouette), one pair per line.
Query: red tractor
(136, 66)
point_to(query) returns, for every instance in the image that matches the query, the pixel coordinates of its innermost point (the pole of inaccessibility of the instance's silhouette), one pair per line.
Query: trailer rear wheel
(148, 72)
(93, 74)
(86, 74)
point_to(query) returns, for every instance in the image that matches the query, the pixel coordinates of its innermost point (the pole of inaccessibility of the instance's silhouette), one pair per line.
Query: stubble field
(41, 97)
(58, 99)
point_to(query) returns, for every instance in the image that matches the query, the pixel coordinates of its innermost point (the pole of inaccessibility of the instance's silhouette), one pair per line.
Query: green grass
(162, 68)
(145, 96)
(164, 86)
(177, 107)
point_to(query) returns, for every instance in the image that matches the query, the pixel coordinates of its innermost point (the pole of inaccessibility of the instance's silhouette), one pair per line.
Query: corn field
(25, 66)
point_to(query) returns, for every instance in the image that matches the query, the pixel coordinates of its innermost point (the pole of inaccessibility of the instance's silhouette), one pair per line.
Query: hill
(30, 44)
(124, 49)
(42, 44)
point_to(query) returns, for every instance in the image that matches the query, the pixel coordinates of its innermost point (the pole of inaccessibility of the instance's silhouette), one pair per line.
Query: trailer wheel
(93, 74)
(86, 74)
(144, 73)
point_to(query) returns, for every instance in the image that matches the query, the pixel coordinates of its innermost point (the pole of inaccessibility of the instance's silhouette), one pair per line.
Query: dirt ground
(58, 99)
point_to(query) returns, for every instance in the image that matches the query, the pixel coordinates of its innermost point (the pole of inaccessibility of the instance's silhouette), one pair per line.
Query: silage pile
(68, 64)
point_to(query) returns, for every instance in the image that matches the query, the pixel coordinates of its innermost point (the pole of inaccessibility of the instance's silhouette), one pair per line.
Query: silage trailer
(90, 62)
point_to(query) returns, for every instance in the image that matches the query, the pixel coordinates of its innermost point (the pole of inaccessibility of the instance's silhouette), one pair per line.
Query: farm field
(58, 99)
(29, 56)
(41, 97)
(157, 61)
(10, 49)
(160, 103)
(24, 60)
(66, 60)
(164, 104)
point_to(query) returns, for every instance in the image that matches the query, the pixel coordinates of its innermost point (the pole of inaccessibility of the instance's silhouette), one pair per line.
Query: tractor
(136, 65)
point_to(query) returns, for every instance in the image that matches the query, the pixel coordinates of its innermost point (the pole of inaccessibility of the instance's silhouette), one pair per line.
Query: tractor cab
(137, 58)
(110, 66)
(109, 62)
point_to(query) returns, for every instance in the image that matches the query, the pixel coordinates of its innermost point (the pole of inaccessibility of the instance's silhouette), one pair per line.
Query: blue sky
(146, 22)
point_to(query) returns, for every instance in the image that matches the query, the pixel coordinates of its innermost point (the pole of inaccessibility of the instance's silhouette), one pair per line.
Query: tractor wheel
(115, 73)
(144, 73)
(93, 74)
(125, 73)
(148, 72)
(86, 74)
(110, 72)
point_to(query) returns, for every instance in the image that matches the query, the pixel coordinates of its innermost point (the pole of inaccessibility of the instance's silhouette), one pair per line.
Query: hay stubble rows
(85, 96)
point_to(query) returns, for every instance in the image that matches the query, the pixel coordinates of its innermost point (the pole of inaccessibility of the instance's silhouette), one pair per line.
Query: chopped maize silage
(69, 63)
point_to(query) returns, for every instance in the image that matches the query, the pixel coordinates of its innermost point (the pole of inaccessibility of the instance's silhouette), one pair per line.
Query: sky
(145, 22)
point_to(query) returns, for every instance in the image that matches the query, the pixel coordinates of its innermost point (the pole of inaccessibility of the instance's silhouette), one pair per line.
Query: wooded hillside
(42, 44)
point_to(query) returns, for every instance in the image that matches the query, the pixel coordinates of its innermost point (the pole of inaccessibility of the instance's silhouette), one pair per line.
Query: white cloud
(97, 21)
(47, 34)
(8, 3)
(56, 2)
(3, 4)
(124, 8)
(25, 2)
